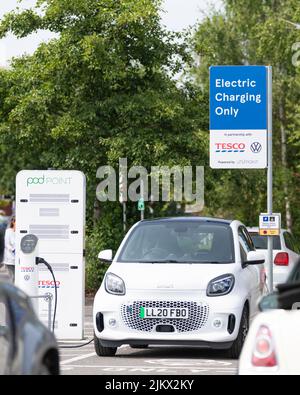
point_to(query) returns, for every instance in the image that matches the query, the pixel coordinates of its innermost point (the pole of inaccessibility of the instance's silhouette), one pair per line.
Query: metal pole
(124, 217)
(48, 298)
(270, 178)
(142, 196)
(49, 312)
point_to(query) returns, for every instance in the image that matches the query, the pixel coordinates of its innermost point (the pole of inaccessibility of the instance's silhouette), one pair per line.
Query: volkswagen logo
(256, 147)
(26, 278)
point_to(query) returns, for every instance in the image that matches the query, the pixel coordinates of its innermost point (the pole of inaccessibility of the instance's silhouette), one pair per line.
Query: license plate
(161, 312)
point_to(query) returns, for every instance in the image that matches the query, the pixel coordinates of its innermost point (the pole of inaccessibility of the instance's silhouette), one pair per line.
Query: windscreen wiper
(163, 261)
(208, 262)
(183, 262)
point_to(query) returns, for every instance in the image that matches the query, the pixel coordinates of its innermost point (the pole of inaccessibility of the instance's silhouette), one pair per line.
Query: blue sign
(238, 98)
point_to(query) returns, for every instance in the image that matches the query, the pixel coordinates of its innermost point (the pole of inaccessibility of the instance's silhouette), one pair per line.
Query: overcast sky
(178, 15)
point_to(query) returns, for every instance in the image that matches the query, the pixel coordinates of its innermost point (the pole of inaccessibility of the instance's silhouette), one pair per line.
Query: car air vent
(165, 328)
(198, 315)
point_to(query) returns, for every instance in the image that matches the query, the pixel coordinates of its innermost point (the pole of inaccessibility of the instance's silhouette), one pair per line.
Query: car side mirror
(269, 302)
(106, 256)
(254, 258)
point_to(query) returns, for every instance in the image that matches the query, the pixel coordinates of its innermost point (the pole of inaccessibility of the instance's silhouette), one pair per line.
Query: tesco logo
(48, 284)
(230, 147)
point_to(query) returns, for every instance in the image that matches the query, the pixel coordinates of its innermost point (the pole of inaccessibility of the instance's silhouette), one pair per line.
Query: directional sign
(238, 117)
(141, 204)
(269, 224)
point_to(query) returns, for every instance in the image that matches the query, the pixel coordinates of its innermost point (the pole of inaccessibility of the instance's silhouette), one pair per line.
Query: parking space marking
(147, 369)
(189, 362)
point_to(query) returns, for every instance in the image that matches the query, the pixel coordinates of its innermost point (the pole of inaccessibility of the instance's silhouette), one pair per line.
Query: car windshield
(179, 242)
(261, 242)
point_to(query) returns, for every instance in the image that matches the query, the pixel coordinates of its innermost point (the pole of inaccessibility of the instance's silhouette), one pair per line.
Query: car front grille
(198, 315)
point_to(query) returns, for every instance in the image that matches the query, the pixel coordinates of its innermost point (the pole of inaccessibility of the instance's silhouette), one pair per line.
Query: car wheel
(139, 346)
(236, 348)
(102, 351)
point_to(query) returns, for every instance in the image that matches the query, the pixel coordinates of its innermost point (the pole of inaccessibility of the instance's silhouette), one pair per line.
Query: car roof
(191, 218)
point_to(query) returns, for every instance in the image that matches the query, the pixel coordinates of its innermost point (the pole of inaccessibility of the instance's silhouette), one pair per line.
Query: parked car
(179, 281)
(27, 347)
(285, 252)
(273, 343)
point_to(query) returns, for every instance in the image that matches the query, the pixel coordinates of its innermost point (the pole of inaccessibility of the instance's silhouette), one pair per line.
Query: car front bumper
(220, 319)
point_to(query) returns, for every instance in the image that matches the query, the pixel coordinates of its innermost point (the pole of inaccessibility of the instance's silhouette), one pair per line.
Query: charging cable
(42, 260)
(78, 345)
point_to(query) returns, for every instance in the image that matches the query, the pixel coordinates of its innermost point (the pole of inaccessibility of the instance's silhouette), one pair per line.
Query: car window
(179, 242)
(243, 252)
(248, 239)
(294, 277)
(289, 242)
(261, 242)
(245, 242)
(295, 243)
(5, 335)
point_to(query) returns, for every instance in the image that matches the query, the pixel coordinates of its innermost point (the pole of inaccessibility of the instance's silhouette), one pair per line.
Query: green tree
(103, 89)
(257, 32)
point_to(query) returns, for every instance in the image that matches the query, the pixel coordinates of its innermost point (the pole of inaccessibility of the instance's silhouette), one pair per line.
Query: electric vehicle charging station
(28, 270)
(50, 204)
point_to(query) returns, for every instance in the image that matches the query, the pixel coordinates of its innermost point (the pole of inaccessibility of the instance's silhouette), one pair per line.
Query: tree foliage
(102, 90)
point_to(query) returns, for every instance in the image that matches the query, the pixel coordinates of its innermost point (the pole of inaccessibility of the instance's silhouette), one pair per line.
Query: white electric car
(285, 252)
(179, 281)
(273, 343)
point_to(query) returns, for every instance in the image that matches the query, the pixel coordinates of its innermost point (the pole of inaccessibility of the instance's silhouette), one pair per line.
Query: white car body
(174, 285)
(284, 329)
(280, 273)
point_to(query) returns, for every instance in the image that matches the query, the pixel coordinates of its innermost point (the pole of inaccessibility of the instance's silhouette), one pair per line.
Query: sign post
(269, 225)
(141, 202)
(123, 198)
(241, 126)
(238, 117)
(270, 178)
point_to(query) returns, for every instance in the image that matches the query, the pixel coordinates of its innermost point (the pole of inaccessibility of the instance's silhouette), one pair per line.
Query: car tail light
(264, 352)
(282, 259)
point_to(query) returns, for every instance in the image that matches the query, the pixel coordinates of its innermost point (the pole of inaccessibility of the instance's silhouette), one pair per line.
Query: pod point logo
(256, 147)
(48, 180)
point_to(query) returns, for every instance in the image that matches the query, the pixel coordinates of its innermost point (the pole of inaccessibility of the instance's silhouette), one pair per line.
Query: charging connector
(38, 261)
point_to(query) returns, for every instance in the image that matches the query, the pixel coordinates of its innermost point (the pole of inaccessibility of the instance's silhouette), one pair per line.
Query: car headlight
(114, 285)
(221, 285)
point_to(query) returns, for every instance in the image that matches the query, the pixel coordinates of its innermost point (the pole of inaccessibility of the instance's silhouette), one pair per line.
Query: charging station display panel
(51, 205)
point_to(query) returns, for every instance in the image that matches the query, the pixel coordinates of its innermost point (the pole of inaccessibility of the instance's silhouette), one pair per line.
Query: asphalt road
(156, 360)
